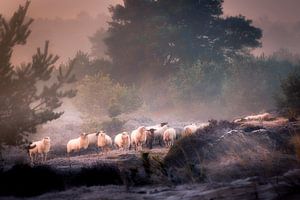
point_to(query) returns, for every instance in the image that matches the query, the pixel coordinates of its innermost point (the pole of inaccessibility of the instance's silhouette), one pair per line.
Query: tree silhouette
(27, 96)
(154, 37)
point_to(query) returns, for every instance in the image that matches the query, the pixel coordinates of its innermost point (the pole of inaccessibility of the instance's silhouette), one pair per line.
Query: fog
(154, 96)
(53, 19)
(69, 24)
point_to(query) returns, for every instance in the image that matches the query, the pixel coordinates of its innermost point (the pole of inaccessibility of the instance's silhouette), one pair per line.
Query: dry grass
(224, 155)
(295, 140)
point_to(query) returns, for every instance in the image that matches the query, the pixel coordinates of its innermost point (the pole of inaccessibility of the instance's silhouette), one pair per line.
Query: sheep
(179, 132)
(122, 141)
(150, 138)
(190, 129)
(104, 141)
(259, 117)
(138, 137)
(39, 147)
(159, 131)
(93, 139)
(82, 142)
(169, 136)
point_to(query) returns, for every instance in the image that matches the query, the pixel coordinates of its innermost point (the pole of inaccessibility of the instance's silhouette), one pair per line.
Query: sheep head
(99, 132)
(46, 140)
(150, 132)
(84, 135)
(163, 123)
(125, 137)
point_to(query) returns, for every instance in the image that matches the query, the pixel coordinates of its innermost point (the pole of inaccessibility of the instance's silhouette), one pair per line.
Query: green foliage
(252, 82)
(244, 86)
(96, 93)
(98, 46)
(114, 110)
(201, 82)
(152, 38)
(85, 65)
(24, 105)
(113, 126)
(90, 125)
(289, 100)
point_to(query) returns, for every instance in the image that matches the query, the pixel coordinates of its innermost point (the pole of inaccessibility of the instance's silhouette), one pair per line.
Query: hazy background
(69, 23)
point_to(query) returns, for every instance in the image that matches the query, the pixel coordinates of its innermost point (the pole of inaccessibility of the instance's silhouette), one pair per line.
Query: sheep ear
(97, 133)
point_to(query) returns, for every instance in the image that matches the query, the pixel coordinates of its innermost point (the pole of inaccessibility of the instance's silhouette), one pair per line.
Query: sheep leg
(45, 157)
(35, 158)
(31, 159)
(69, 159)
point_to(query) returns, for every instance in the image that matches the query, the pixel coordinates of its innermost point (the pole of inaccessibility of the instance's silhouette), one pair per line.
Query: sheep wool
(190, 129)
(122, 141)
(169, 136)
(39, 147)
(104, 141)
(82, 142)
(138, 137)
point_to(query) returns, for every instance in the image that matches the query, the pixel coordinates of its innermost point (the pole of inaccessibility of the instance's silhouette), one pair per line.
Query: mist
(141, 99)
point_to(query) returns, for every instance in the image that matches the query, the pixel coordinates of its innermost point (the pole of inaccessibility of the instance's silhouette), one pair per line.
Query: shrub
(113, 126)
(295, 140)
(99, 94)
(23, 180)
(101, 174)
(288, 101)
(114, 110)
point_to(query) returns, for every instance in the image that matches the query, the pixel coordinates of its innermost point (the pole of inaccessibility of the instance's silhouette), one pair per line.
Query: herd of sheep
(142, 136)
(161, 133)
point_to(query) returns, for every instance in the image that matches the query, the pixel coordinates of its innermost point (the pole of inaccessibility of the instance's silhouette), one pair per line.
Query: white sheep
(190, 129)
(82, 142)
(138, 137)
(158, 132)
(104, 141)
(169, 137)
(93, 139)
(259, 117)
(122, 141)
(39, 147)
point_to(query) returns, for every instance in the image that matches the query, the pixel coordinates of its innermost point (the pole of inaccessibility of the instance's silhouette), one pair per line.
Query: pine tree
(28, 95)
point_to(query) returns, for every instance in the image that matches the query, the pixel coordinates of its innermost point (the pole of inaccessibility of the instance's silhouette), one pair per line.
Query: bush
(23, 180)
(295, 140)
(99, 94)
(288, 102)
(114, 110)
(101, 174)
(113, 126)
(223, 151)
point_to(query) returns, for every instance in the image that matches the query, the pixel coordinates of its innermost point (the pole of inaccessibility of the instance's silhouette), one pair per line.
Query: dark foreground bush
(25, 181)
(95, 175)
(224, 151)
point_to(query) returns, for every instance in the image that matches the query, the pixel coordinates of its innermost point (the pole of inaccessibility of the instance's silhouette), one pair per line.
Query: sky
(69, 23)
